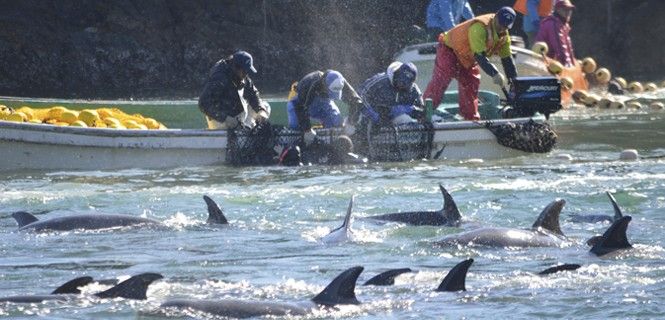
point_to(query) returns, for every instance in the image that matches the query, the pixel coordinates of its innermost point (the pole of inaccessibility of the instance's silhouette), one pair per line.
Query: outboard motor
(529, 95)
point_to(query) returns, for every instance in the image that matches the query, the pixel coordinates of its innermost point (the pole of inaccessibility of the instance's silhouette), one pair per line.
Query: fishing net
(396, 143)
(529, 136)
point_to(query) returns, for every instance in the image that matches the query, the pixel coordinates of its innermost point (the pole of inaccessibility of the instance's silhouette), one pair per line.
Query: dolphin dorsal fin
(72, 286)
(341, 290)
(132, 288)
(614, 238)
(347, 219)
(549, 217)
(23, 218)
(456, 278)
(450, 211)
(617, 210)
(386, 278)
(561, 267)
(215, 214)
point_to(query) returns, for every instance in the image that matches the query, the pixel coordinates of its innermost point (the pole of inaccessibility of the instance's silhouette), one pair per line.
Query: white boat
(27, 146)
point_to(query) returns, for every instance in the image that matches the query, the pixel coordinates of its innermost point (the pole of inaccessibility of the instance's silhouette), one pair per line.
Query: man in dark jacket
(229, 98)
(392, 96)
(315, 95)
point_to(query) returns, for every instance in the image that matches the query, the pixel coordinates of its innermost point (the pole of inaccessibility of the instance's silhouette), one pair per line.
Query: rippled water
(270, 249)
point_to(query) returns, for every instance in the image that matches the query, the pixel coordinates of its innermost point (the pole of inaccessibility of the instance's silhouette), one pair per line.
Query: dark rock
(164, 49)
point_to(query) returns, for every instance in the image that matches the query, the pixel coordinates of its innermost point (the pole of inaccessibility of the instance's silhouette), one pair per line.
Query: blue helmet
(506, 17)
(402, 75)
(334, 83)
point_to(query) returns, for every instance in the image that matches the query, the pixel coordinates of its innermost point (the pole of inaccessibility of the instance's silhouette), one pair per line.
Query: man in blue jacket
(315, 98)
(229, 98)
(443, 15)
(391, 97)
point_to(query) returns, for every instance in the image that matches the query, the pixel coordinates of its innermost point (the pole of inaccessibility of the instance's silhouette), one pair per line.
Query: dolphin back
(561, 267)
(341, 290)
(450, 211)
(386, 278)
(23, 218)
(549, 217)
(215, 214)
(455, 280)
(347, 219)
(72, 286)
(614, 238)
(132, 288)
(617, 210)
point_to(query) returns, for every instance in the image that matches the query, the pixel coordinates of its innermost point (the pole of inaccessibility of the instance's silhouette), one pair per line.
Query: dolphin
(27, 221)
(343, 232)
(600, 217)
(613, 239)
(340, 291)
(455, 280)
(386, 278)
(447, 216)
(132, 288)
(559, 268)
(545, 232)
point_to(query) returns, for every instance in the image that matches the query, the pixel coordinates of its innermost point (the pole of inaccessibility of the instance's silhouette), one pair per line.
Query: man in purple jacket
(555, 31)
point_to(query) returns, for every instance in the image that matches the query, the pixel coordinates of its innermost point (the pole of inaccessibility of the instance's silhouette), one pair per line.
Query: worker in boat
(391, 97)
(466, 47)
(443, 15)
(314, 98)
(555, 32)
(533, 12)
(229, 98)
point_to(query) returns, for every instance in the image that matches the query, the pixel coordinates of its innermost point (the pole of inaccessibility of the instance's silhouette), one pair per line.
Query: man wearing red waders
(462, 49)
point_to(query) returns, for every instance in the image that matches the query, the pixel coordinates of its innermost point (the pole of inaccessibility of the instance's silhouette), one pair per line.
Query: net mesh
(529, 136)
(398, 143)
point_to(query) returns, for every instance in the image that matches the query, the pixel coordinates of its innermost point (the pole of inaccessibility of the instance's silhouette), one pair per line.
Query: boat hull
(27, 146)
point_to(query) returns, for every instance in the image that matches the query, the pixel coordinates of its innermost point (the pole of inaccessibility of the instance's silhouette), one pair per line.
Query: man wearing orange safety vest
(465, 47)
(534, 11)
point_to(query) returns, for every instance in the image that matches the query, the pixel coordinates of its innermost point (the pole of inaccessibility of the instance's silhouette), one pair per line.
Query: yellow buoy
(90, 117)
(657, 106)
(112, 121)
(130, 124)
(115, 126)
(588, 65)
(151, 123)
(78, 123)
(61, 124)
(579, 96)
(555, 67)
(591, 100)
(69, 116)
(28, 112)
(17, 117)
(604, 103)
(617, 105)
(603, 75)
(633, 105)
(622, 82)
(650, 87)
(635, 87)
(540, 47)
(566, 83)
(55, 112)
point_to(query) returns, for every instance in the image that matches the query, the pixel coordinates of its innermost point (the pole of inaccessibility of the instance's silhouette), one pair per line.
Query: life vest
(293, 92)
(544, 8)
(457, 39)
